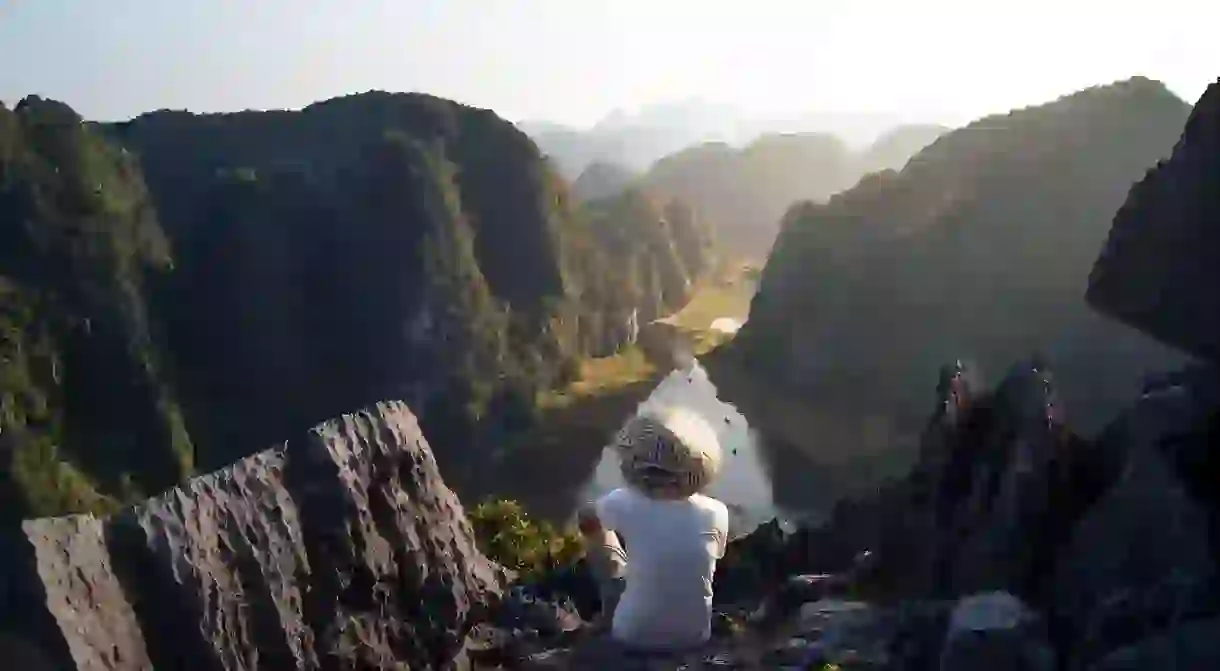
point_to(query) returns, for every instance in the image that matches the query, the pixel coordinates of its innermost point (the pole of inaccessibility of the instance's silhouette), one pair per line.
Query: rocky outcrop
(1161, 259)
(994, 631)
(343, 549)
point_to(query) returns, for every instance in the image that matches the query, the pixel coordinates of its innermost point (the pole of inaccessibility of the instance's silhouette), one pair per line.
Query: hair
(670, 453)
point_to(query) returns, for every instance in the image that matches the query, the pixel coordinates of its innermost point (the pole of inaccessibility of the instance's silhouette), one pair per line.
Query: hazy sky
(574, 60)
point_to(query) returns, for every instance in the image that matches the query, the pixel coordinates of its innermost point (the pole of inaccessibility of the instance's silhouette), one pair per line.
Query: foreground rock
(1162, 257)
(343, 549)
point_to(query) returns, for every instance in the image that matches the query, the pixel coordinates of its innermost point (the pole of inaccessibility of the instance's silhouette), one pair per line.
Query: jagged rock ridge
(343, 549)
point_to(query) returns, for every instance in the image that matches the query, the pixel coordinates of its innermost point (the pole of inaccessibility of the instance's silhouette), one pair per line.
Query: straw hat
(668, 454)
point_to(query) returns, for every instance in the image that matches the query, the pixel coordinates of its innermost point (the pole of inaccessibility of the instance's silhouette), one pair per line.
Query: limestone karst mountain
(978, 249)
(179, 290)
(898, 145)
(743, 193)
(740, 176)
(601, 180)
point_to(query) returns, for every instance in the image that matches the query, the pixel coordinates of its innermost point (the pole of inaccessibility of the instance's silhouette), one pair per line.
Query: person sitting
(673, 534)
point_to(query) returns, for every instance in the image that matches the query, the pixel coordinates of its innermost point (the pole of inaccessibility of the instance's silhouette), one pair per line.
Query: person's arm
(587, 519)
(594, 516)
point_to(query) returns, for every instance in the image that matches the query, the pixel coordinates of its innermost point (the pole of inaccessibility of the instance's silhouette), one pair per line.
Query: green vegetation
(505, 533)
(86, 418)
(726, 293)
(368, 247)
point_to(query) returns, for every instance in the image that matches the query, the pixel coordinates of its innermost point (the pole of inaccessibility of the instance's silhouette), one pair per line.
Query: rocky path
(824, 634)
(846, 635)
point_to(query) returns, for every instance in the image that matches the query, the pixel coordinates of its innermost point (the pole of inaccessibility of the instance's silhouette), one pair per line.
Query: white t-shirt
(672, 549)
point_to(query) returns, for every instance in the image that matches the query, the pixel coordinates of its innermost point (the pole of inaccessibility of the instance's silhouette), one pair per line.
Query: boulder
(995, 631)
(343, 549)
(1189, 645)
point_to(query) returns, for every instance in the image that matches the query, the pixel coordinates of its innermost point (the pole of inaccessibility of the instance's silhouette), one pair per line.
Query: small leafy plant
(507, 534)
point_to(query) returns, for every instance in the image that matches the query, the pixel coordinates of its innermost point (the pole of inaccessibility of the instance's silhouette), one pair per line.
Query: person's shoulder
(714, 507)
(708, 503)
(616, 502)
(620, 495)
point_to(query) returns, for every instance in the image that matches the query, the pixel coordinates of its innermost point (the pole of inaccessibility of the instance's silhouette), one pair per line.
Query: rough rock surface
(341, 550)
(994, 631)
(1158, 270)
(94, 618)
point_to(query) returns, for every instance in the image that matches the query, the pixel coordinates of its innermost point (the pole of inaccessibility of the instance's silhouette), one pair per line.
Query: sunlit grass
(729, 297)
(726, 296)
(604, 374)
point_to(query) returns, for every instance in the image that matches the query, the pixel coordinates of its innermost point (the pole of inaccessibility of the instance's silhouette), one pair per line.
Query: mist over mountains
(635, 141)
(739, 176)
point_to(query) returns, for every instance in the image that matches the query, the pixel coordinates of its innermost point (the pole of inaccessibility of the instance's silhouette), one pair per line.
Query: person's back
(673, 547)
(673, 534)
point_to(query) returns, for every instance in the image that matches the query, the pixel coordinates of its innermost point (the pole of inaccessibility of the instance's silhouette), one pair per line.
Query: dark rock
(1142, 554)
(521, 608)
(1113, 540)
(575, 584)
(750, 566)
(1157, 268)
(343, 550)
(999, 520)
(995, 631)
(919, 634)
(1188, 645)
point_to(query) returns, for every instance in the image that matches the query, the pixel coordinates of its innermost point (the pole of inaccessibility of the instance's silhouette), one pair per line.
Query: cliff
(1161, 254)
(370, 246)
(977, 249)
(180, 290)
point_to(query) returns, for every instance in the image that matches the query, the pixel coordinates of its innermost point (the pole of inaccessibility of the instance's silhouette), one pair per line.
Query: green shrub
(505, 533)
